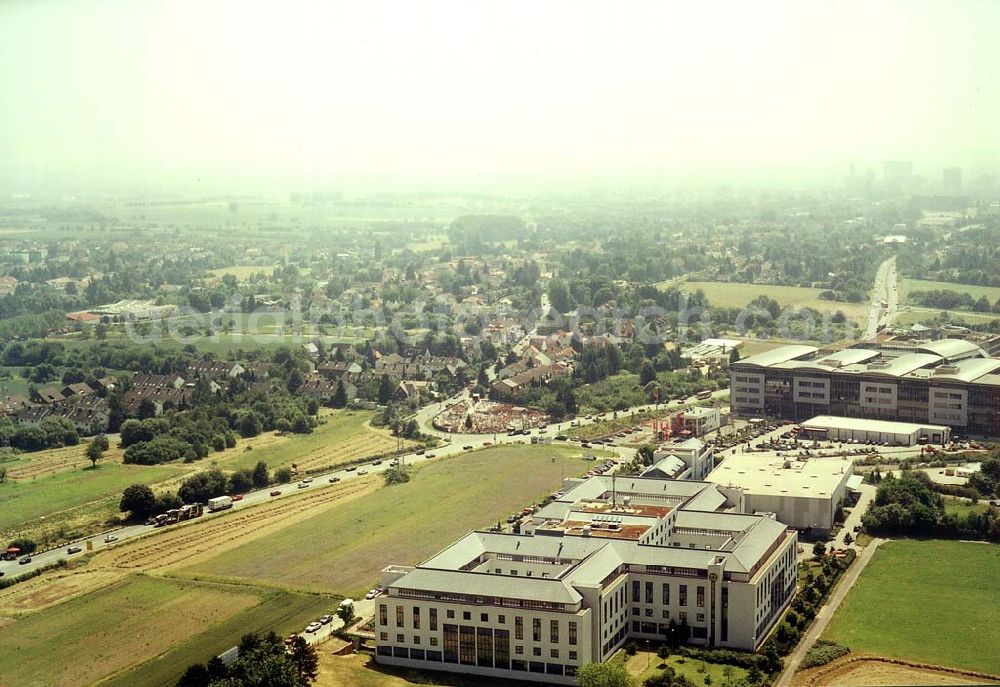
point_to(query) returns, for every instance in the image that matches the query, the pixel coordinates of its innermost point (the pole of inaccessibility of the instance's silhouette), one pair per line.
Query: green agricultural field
(110, 630)
(344, 436)
(344, 548)
(21, 502)
(278, 611)
(733, 295)
(931, 601)
(906, 286)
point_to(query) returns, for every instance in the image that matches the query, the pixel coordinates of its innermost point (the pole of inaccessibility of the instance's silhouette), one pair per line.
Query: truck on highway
(190, 510)
(220, 503)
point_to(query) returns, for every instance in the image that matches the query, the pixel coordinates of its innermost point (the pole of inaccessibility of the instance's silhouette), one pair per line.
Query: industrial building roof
(777, 476)
(967, 370)
(897, 367)
(866, 425)
(777, 355)
(953, 350)
(832, 361)
(946, 359)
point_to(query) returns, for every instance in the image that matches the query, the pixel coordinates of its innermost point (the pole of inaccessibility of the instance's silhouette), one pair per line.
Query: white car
(362, 472)
(110, 538)
(371, 595)
(312, 627)
(303, 485)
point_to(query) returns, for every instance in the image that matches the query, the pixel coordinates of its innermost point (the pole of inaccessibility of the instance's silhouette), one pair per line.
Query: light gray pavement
(884, 291)
(826, 613)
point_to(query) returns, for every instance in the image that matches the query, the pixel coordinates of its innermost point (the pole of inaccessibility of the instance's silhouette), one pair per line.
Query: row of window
(501, 619)
(504, 664)
(682, 593)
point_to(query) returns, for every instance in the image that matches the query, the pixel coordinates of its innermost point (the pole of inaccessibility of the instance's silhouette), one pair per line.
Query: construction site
(488, 417)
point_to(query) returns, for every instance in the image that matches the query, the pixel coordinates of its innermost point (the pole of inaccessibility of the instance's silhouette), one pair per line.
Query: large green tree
(603, 675)
(138, 500)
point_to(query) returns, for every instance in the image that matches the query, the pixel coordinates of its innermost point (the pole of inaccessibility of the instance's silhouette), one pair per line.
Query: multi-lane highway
(885, 299)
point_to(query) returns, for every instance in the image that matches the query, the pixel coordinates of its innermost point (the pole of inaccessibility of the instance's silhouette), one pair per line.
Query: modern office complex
(947, 382)
(611, 559)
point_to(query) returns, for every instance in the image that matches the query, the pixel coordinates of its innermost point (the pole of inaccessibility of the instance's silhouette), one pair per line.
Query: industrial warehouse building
(801, 493)
(612, 559)
(877, 431)
(948, 382)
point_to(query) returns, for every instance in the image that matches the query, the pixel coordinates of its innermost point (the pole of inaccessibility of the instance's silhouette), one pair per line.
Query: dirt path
(871, 670)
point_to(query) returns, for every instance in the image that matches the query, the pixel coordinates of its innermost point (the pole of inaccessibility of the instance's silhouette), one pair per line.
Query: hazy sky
(99, 93)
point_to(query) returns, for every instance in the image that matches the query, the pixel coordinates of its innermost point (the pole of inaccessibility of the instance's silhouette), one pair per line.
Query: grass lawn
(282, 612)
(931, 601)
(31, 499)
(344, 548)
(96, 635)
(645, 664)
(906, 286)
(734, 295)
(962, 507)
(343, 436)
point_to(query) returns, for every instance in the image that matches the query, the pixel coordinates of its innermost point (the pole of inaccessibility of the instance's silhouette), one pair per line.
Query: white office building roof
(821, 422)
(777, 476)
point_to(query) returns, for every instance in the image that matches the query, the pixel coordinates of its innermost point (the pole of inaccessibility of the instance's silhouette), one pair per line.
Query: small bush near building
(823, 652)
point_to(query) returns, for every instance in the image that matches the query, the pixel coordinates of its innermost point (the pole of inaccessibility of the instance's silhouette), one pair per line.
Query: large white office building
(611, 559)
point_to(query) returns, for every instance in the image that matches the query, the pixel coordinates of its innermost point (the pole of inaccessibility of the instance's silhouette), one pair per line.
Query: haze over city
(481, 343)
(190, 95)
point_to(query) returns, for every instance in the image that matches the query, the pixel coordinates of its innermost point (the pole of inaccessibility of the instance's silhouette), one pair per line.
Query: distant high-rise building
(951, 181)
(897, 175)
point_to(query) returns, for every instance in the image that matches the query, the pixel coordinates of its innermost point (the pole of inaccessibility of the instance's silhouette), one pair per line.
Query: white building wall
(746, 391)
(880, 397)
(948, 406)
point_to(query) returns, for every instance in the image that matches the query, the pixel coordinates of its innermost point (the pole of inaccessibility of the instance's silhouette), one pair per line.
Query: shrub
(822, 653)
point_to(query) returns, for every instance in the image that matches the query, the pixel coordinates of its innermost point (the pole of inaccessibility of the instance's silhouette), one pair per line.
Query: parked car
(326, 619)
(237, 497)
(303, 485)
(376, 462)
(467, 447)
(420, 451)
(334, 479)
(351, 468)
(308, 480)
(313, 626)
(74, 549)
(25, 560)
(362, 472)
(276, 492)
(429, 455)
(371, 594)
(110, 538)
